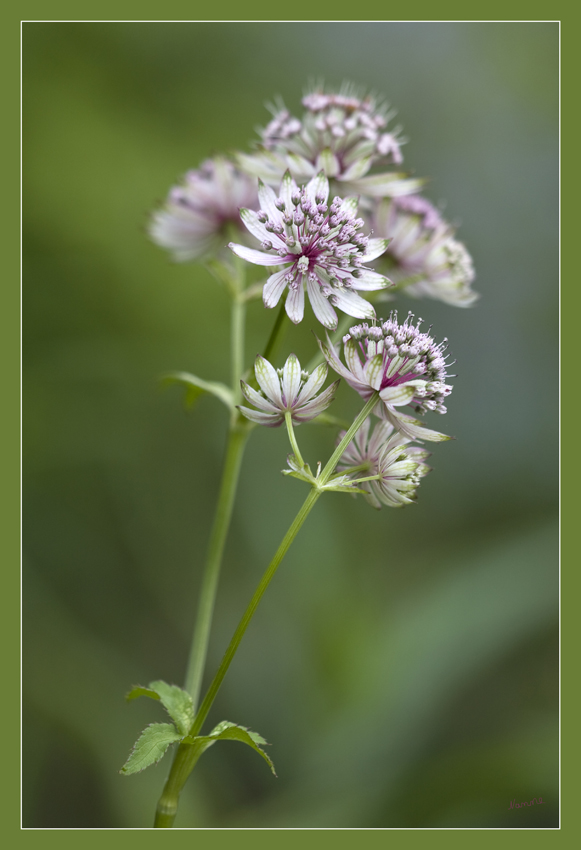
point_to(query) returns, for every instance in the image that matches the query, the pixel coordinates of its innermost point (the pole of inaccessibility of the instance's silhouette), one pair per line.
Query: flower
(194, 220)
(286, 390)
(320, 247)
(422, 249)
(387, 455)
(343, 133)
(395, 356)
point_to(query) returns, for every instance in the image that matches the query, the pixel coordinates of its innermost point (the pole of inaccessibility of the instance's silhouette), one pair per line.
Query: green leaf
(226, 731)
(197, 386)
(150, 747)
(138, 691)
(177, 703)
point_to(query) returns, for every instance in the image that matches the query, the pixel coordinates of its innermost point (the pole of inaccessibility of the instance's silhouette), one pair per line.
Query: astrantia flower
(422, 247)
(194, 221)
(386, 454)
(402, 364)
(320, 246)
(287, 390)
(341, 133)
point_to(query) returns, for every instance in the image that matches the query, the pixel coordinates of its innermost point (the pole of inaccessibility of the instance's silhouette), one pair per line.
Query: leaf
(226, 731)
(150, 747)
(177, 703)
(197, 386)
(139, 691)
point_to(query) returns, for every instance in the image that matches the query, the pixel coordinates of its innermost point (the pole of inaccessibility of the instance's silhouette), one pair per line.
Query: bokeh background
(404, 664)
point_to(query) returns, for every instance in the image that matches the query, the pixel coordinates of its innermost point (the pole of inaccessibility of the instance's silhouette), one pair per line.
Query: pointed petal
(257, 400)
(375, 248)
(357, 169)
(287, 188)
(251, 222)
(266, 198)
(369, 281)
(268, 379)
(352, 304)
(295, 304)
(401, 394)
(273, 288)
(353, 361)
(391, 185)
(291, 380)
(271, 420)
(328, 162)
(321, 307)
(318, 187)
(314, 383)
(411, 427)
(373, 371)
(252, 256)
(300, 167)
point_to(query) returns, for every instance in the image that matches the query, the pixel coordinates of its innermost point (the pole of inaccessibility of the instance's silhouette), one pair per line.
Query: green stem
(237, 320)
(357, 423)
(187, 755)
(275, 335)
(291, 435)
(235, 449)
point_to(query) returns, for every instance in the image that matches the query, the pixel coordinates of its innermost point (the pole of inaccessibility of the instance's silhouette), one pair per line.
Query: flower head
(385, 453)
(402, 364)
(286, 390)
(422, 248)
(320, 247)
(193, 222)
(344, 133)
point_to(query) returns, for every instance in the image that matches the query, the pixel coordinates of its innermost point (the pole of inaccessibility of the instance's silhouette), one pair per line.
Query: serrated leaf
(177, 703)
(150, 747)
(197, 386)
(226, 731)
(139, 691)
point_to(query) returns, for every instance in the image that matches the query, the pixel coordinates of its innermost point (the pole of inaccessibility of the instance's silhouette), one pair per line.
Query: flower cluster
(287, 390)
(402, 364)
(320, 247)
(344, 133)
(194, 221)
(386, 457)
(423, 253)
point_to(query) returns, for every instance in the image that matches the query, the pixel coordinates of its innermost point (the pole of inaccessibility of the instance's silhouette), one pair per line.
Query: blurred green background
(404, 664)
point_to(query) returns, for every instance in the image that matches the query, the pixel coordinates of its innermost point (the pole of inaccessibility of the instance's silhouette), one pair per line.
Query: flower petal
(271, 420)
(314, 383)
(318, 187)
(328, 162)
(352, 304)
(375, 248)
(373, 371)
(267, 198)
(321, 307)
(257, 400)
(252, 256)
(357, 169)
(398, 395)
(317, 405)
(273, 289)
(268, 379)
(291, 380)
(390, 184)
(251, 222)
(412, 428)
(295, 304)
(287, 189)
(370, 281)
(352, 360)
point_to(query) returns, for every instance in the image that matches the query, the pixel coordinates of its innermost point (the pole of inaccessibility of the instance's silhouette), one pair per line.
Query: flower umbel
(422, 250)
(385, 454)
(400, 362)
(319, 245)
(195, 217)
(344, 133)
(287, 390)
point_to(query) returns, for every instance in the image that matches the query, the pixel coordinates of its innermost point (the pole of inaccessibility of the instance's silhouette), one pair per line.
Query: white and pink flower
(320, 247)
